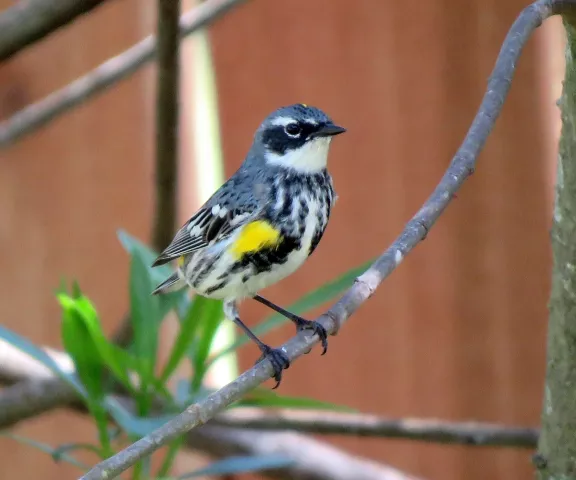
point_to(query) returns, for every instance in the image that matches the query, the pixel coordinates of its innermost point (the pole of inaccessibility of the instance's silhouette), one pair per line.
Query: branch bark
(557, 447)
(461, 167)
(105, 75)
(27, 22)
(363, 425)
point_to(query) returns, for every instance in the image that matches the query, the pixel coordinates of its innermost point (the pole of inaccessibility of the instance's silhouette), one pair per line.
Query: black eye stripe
(277, 140)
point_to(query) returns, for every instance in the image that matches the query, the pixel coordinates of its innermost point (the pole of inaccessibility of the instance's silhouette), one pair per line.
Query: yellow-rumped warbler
(261, 225)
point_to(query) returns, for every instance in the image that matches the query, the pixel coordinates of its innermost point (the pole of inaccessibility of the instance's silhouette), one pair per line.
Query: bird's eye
(293, 129)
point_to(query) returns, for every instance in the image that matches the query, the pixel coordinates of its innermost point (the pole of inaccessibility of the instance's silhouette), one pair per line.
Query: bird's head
(297, 137)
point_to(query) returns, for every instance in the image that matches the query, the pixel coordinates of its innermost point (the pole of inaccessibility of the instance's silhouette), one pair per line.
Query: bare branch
(27, 22)
(39, 391)
(105, 75)
(363, 425)
(167, 104)
(461, 167)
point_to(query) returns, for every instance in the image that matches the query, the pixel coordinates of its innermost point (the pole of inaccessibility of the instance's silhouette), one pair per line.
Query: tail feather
(171, 284)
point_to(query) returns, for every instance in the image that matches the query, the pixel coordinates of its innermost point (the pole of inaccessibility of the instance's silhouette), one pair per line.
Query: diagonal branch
(105, 75)
(27, 22)
(461, 167)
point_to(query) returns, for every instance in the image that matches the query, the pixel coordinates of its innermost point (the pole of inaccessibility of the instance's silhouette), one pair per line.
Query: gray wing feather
(235, 203)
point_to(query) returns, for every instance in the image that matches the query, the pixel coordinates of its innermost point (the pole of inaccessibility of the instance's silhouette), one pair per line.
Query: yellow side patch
(180, 261)
(255, 236)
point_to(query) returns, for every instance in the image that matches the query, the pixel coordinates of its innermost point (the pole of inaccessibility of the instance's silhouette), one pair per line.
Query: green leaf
(76, 292)
(265, 398)
(147, 311)
(89, 367)
(209, 316)
(132, 245)
(60, 452)
(314, 299)
(116, 360)
(29, 348)
(155, 275)
(242, 464)
(145, 317)
(80, 346)
(43, 447)
(188, 328)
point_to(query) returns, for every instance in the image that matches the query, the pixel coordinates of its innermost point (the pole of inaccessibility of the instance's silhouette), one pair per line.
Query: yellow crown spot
(304, 105)
(254, 237)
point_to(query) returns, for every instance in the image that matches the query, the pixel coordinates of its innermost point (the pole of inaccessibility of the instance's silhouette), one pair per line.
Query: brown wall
(457, 332)
(63, 194)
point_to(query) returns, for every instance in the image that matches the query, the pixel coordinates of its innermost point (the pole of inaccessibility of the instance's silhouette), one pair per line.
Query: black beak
(328, 130)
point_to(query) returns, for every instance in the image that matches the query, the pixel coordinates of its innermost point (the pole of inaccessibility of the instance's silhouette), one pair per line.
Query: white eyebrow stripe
(282, 121)
(311, 121)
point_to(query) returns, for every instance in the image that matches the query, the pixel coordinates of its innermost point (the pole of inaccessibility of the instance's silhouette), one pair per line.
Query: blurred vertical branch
(557, 446)
(167, 116)
(167, 112)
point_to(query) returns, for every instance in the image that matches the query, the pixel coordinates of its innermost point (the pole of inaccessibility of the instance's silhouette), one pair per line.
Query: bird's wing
(215, 221)
(210, 224)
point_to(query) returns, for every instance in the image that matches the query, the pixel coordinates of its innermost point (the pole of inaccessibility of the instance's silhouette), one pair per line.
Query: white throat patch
(309, 158)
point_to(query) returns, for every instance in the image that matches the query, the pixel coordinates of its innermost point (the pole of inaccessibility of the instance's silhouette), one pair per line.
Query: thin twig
(363, 425)
(107, 74)
(27, 22)
(167, 104)
(461, 167)
(39, 391)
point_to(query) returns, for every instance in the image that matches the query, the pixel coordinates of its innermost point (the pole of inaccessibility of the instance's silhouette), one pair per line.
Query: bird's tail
(171, 284)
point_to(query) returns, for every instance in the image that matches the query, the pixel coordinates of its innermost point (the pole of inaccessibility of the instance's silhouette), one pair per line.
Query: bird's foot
(303, 324)
(278, 359)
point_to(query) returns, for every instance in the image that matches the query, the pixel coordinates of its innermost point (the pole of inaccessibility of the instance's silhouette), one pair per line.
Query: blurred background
(457, 332)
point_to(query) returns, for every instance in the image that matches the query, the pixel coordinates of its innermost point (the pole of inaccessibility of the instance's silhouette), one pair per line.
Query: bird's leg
(301, 323)
(277, 357)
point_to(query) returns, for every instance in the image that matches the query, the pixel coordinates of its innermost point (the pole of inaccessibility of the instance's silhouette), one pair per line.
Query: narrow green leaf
(267, 399)
(132, 245)
(29, 348)
(145, 317)
(131, 424)
(45, 448)
(116, 360)
(80, 346)
(155, 275)
(185, 338)
(316, 298)
(61, 451)
(78, 319)
(210, 317)
(242, 464)
(76, 292)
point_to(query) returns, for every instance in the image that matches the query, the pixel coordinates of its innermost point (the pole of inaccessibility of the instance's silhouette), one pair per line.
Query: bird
(262, 223)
